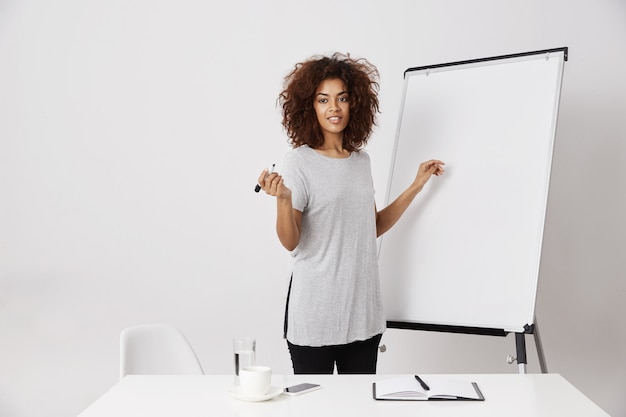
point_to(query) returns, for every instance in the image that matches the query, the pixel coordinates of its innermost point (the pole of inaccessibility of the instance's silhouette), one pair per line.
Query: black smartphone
(301, 388)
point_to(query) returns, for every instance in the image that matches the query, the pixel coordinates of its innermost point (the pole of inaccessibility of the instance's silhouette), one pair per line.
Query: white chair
(156, 349)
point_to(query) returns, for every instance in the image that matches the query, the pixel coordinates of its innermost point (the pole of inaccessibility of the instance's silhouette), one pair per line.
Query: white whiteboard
(467, 252)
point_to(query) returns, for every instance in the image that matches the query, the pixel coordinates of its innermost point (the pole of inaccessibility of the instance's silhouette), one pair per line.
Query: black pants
(354, 358)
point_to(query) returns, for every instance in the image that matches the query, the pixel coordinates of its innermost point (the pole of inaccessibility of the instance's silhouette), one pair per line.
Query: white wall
(132, 133)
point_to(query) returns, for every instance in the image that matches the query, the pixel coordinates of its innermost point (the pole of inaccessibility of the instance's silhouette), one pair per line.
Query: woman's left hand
(428, 169)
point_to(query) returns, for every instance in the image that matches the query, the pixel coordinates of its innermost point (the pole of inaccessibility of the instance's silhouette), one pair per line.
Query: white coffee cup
(255, 380)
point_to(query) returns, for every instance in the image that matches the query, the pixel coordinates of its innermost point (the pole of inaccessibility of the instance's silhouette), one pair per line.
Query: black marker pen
(422, 383)
(258, 187)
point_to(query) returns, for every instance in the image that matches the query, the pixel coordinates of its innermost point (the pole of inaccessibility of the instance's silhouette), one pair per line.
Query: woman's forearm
(288, 223)
(389, 216)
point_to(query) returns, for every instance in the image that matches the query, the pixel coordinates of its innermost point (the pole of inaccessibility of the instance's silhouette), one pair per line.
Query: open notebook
(440, 388)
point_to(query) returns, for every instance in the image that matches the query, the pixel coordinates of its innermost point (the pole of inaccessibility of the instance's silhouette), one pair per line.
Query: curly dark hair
(297, 97)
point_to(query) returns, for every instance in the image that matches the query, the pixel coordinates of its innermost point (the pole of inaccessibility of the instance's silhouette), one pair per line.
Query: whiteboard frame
(458, 326)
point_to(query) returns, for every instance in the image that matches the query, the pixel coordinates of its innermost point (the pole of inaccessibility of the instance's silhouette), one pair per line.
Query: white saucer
(273, 392)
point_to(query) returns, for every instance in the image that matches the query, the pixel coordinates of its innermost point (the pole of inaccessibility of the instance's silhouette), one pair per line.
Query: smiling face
(332, 107)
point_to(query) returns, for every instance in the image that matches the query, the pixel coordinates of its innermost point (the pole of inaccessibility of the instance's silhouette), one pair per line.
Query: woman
(327, 217)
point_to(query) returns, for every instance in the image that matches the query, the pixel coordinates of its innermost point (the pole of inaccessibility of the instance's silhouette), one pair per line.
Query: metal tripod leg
(520, 346)
(539, 346)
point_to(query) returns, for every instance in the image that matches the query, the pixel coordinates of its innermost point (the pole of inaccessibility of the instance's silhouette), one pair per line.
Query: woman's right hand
(273, 184)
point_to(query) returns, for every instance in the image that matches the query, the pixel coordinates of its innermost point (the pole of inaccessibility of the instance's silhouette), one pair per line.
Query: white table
(511, 395)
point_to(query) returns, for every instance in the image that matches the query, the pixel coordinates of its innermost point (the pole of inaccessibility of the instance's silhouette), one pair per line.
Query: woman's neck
(333, 147)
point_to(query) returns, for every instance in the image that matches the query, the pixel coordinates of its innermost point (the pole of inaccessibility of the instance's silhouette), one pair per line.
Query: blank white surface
(467, 254)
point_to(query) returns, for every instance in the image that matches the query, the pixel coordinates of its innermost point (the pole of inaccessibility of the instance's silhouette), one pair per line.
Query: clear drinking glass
(244, 349)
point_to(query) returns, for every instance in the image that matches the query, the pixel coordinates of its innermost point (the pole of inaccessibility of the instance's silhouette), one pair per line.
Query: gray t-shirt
(335, 292)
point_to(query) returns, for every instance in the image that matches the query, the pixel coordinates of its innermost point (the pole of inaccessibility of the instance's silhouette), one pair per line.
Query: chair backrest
(156, 349)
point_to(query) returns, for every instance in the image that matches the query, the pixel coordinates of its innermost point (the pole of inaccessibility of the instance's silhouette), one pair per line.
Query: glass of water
(244, 349)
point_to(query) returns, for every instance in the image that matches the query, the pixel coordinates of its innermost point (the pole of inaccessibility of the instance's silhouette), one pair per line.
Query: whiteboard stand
(520, 347)
(476, 233)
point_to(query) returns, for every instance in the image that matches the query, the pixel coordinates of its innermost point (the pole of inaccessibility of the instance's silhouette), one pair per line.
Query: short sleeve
(295, 180)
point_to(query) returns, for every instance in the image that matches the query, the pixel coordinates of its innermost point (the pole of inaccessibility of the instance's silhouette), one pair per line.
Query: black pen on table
(257, 188)
(422, 383)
